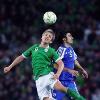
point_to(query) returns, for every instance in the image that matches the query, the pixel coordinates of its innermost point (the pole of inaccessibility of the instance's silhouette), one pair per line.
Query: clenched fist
(74, 72)
(6, 69)
(56, 76)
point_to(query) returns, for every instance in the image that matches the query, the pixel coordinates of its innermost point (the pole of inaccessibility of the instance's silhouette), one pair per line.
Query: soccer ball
(49, 17)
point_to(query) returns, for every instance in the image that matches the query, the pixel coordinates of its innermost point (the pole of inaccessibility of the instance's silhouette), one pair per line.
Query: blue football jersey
(68, 56)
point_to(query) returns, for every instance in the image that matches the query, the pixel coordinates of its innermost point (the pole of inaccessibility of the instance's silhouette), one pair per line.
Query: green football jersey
(41, 59)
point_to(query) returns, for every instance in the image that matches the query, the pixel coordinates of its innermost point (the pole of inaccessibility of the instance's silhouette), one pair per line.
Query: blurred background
(21, 25)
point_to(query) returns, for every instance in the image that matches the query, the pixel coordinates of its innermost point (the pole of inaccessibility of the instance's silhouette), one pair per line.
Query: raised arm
(14, 63)
(73, 72)
(59, 68)
(82, 70)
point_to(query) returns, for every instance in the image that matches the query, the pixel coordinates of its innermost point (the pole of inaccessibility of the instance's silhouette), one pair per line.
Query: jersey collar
(46, 49)
(67, 45)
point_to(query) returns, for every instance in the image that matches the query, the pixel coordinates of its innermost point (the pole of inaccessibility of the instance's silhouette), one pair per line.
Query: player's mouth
(46, 39)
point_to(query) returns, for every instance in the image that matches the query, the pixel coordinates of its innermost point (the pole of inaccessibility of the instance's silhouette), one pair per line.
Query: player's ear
(64, 39)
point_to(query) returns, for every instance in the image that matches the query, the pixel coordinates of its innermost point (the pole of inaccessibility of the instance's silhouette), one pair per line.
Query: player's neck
(67, 45)
(44, 45)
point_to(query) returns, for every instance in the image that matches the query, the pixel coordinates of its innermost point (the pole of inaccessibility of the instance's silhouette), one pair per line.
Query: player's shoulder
(34, 46)
(62, 47)
(51, 48)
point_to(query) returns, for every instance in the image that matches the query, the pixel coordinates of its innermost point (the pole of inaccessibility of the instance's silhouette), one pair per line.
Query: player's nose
(47, 36)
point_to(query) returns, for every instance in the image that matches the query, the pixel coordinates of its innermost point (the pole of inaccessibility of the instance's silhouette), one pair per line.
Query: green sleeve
(28, 52)
(55, 56)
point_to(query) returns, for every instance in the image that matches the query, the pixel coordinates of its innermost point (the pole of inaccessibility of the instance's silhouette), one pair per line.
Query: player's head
(67, 38)
(48, 36)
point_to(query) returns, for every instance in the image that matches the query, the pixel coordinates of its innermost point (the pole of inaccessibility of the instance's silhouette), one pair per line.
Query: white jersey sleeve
(61, 52)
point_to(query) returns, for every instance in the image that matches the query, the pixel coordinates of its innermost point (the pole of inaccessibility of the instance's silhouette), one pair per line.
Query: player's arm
(59, 68)
(73, 72)
(82, 70)
(61, 51)
(14, 63)
(59, 62)
(19, 59)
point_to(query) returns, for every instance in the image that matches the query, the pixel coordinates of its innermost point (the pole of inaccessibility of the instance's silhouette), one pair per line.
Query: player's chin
(71, 42)
(47, 42)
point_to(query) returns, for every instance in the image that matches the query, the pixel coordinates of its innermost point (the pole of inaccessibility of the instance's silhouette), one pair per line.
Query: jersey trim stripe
(24, 56)
(58, 59)
(62, 55)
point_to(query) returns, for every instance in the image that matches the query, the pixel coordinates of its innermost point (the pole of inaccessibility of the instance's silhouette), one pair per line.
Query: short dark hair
(50, 31)
(62, 35)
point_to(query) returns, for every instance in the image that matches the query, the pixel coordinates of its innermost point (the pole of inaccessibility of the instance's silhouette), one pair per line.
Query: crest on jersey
(36, 49)
(46, 50)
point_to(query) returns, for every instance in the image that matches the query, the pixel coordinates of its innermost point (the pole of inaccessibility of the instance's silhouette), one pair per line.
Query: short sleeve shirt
(41, 59)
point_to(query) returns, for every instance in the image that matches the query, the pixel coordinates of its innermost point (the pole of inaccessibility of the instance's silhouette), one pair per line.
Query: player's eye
(50, 36)
(45, 34)
(70, 36)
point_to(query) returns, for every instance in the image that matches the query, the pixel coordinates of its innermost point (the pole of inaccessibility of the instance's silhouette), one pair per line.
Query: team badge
(36, 49)
(46, 50)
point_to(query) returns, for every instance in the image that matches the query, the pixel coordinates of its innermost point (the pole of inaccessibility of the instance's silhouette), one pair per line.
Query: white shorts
(45, 85)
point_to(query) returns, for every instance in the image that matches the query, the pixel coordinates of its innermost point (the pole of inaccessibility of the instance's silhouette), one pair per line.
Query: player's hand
(56, 76)
(74, 72)
(84, 74)
(7, 69)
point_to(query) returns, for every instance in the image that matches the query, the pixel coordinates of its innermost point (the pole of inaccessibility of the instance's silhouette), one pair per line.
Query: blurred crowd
(21, 25)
